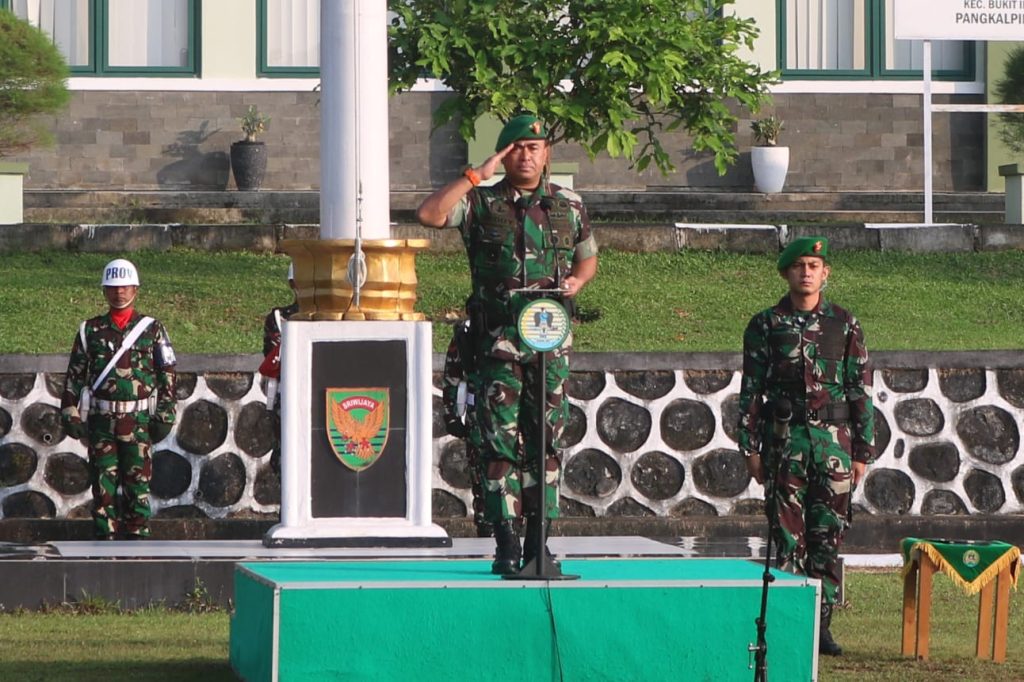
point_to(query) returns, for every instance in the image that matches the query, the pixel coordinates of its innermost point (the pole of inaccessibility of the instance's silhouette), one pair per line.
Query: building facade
(159, 87)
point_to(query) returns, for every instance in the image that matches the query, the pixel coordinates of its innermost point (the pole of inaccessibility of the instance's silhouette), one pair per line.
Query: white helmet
(291, 271)
(120, 273)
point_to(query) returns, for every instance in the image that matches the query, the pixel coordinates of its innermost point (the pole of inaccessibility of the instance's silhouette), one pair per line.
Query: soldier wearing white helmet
(119, 394)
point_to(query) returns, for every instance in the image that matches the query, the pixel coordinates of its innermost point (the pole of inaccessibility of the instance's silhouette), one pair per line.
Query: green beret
(522, 127)
(803, 246)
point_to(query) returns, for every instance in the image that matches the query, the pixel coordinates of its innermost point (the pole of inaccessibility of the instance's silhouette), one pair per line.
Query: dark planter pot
(248, 164)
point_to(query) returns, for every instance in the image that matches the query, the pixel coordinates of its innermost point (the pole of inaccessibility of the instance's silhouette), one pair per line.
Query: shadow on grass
(135, 671)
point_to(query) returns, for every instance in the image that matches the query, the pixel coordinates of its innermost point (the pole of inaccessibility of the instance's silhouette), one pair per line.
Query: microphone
(546, 203)
(780, 424)
(522, 203)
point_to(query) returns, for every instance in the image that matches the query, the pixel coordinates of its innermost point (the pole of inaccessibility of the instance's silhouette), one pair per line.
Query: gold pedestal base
(324, 291)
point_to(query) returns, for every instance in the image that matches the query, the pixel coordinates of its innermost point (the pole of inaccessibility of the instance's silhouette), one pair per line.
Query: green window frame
(875, 53)
(263, 67)
(99, 46)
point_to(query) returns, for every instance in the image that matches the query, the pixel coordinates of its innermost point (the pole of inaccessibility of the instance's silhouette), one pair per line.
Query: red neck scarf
(120, 317)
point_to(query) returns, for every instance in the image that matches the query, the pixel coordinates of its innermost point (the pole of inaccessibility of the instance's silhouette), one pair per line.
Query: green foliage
(198, 599)
(611, 76)
(253, 123)
(767, 131)
(32, 82)
(1010, 90)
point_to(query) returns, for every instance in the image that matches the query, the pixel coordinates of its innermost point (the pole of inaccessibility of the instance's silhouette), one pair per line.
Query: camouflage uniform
(460, 419)
(119, 441)
(272, 344)
(507, 232)
(818, 361)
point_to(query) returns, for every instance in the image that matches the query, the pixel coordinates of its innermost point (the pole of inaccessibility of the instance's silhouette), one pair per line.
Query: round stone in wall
(748, 507)
(1017, 480)
(82, 511)
(731, 417)
(41, 423)
(990, 434)
(184, 385)
(172, 475)
(29, 504)
(266, 489)
(942, 502)
(256, 429)
(900, 448)
(222, 480)
(889, 491)
(985, 491)
(721, 473)
(657, 476)
(939, 462)
(67, 473)
(5, 422)
(181, 511)
(1011, 385)
(592, 473)
(646, 385)
(438, 417)
(883, 434)
(54, 384)
(229, 385)
(437, 380)
(568, 507)
(585, 385)
(687, 425)
(919, 417)
(693, 506)
(16, 386)
(203, 427)
(627, 506)
(707, 381)
(444, 505)
(961, 385)
(17, 464)
(454, 464)
(622, 425)
(575, 427)
(905, 380)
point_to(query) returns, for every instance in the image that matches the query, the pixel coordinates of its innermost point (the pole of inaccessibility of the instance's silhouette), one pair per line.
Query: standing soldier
(120, 379)
(810, 352)
(520, 234)
(271, 365)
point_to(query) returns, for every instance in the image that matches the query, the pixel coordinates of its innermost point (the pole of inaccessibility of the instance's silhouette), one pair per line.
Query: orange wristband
(472, 176)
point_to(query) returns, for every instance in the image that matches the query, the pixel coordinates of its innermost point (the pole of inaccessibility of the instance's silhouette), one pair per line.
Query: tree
(1010, 90)
(611, 75)
(33, 78)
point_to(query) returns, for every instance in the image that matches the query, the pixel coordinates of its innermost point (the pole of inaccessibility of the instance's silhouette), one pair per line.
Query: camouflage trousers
(812, 496)
(509, 413)
(119, 456)
(474, 464)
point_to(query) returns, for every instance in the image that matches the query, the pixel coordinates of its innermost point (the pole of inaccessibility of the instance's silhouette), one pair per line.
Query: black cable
(554, 631)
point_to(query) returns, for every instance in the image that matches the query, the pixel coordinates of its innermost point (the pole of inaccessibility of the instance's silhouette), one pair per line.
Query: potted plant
(249, 156)
(33, 81)
(769, 161)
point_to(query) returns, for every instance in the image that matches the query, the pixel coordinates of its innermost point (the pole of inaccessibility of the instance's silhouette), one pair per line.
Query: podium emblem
(358, 420)
(543, 325)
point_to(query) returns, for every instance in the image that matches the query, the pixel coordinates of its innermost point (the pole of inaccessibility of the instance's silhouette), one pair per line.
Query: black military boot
(827, 645)
(508, 551)
(530, 541)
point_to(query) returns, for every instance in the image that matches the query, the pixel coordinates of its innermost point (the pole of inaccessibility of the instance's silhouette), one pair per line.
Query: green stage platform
(451, 620)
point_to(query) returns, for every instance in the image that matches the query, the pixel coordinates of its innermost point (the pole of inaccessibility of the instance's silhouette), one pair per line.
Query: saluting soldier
(119, 393)
(810, 352)
(522, 233)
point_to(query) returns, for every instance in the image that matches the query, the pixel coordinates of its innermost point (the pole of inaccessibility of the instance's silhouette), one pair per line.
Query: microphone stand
(779, 451)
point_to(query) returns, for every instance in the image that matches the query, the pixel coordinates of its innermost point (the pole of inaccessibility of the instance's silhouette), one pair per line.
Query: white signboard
(959, 19)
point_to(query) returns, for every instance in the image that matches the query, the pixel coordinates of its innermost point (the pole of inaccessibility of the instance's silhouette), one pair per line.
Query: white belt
(121, 406)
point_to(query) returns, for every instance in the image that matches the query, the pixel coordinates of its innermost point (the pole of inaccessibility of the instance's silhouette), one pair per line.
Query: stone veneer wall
(649, 435)
(126, 140)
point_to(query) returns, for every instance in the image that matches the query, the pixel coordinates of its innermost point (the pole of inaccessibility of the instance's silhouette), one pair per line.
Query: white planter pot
(11, 192)
(770, 165)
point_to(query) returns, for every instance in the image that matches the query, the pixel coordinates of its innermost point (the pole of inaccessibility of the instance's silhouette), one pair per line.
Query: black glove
(455, 427)
(159, 430)
(76, 429)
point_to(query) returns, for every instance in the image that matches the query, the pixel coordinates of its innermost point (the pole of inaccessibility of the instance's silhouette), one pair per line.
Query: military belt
(121, 406)
(830, 413)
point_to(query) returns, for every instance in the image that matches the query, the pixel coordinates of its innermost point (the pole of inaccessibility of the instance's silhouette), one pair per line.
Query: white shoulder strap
(128, 342)
(81, 336)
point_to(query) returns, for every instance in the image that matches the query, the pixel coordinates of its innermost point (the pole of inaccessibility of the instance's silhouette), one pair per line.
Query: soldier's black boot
(827, 645)
(507, 552)
(530, 541)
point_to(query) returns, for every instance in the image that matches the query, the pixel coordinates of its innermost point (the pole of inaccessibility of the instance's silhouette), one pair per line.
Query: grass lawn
(159, 645)
(684, 301)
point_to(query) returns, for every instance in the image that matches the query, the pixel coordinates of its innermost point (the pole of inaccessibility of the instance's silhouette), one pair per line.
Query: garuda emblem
(358, 420)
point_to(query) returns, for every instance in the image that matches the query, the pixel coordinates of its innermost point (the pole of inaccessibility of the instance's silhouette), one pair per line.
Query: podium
(356, 425)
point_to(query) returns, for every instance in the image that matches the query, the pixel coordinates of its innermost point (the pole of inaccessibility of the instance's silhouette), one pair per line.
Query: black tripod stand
(779, 455)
